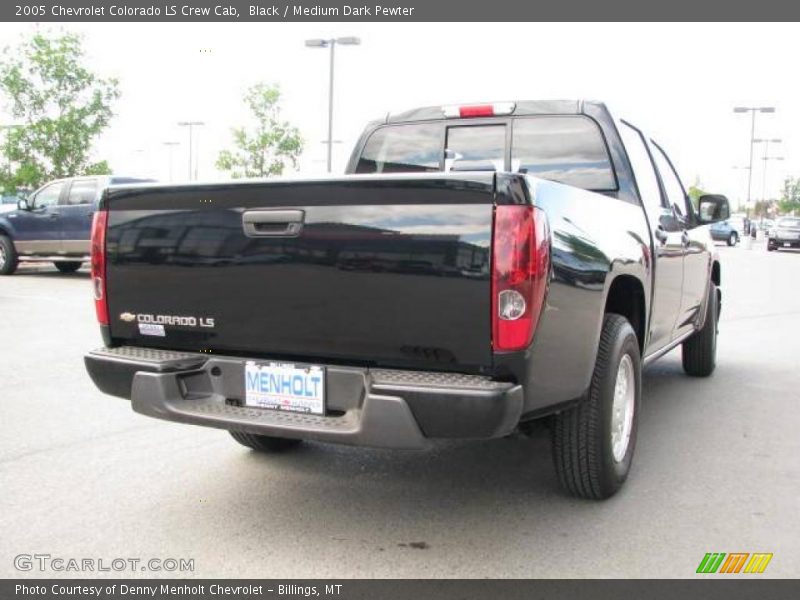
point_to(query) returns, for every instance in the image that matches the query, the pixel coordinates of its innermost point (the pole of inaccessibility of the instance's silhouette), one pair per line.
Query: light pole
(764, 182)
(752, 110)
(331, 43)
(191, 125)
(170, 146)
(737, 168)
(766, 157)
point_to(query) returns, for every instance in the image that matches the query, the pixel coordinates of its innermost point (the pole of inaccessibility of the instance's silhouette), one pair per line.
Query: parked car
(723, 231)
(739, 224)
(785, 234)
(54, 223)
(562, 275)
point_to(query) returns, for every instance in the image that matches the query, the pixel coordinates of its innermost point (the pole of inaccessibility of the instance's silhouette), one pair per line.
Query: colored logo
(734, 562)
(127, 317)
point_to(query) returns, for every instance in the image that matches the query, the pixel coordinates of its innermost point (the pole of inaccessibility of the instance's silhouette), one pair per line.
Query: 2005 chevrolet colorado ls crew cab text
(479, 267)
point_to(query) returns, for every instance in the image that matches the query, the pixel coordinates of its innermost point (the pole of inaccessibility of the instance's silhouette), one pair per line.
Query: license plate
(282, 386)
(786, 244)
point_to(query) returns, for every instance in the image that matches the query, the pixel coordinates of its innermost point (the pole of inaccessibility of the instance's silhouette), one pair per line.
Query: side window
(403, 149)
(48, 196)
(82, 191)
(672, 185)
(645, 176)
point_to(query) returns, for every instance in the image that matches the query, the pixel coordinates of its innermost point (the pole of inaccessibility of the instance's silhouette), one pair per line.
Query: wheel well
(626, 298)
(715, 275)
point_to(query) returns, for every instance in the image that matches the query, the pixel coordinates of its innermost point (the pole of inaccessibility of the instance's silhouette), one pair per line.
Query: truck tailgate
(381, 270)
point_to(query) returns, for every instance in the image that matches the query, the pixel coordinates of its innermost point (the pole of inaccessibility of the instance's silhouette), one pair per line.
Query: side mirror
(712, 208)
(22, 204)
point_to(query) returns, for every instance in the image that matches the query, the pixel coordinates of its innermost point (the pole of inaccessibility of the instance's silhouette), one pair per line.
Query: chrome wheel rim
(623, 407)
(2, 257)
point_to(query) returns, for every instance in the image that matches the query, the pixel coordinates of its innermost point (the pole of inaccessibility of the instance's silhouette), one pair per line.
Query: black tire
(264, 443)
(700, 350)
(68, 267)
(733, 239)
(582, 436)
(8, 256)
(771, 247)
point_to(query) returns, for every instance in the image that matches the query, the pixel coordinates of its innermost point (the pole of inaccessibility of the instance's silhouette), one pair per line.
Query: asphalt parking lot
(717, 467)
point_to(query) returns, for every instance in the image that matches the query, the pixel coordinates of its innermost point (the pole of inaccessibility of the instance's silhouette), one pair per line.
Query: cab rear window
(568, 149)
(414, 148)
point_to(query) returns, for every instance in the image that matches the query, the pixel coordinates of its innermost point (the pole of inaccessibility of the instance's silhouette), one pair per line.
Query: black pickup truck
(480, 267)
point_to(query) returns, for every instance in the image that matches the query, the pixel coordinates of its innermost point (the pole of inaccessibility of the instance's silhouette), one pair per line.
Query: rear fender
(6, 227)
(595, 239)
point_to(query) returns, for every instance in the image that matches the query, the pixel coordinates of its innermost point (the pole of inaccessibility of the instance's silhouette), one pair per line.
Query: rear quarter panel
(595, 238)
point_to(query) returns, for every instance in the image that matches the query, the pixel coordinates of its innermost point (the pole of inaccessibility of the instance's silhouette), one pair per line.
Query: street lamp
(331, 43)
(752, 110)
(170, 146)
(191, 125)
(764, 182)
(742, 168)
(767, 157)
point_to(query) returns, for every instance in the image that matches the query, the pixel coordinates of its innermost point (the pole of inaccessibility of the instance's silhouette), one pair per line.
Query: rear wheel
(700, 350)
(771, 246)
(8, 256)
(264, 443)
(68, 267)
(733, 239)
(593, 442)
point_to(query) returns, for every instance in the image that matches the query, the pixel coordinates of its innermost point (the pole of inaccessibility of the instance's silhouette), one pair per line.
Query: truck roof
(521, 107)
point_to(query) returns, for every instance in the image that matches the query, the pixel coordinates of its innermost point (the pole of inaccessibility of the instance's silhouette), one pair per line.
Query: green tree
(790, 199)
(695, 191)
(61, 106)
(269, 146)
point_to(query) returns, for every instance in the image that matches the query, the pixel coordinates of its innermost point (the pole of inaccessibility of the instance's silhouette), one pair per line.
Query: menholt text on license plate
(297, 388)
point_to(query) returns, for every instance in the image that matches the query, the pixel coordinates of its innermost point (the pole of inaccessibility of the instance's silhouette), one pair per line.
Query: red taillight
(520, 268)
(99, 223)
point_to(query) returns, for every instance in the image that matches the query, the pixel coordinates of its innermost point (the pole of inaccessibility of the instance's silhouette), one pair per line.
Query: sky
(678, 82)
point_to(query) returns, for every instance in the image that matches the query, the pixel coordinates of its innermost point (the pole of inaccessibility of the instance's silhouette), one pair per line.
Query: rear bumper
(778, 241)
(369, 407)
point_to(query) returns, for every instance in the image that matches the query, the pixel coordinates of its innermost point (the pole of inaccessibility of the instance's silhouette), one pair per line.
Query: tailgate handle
(273, 223)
